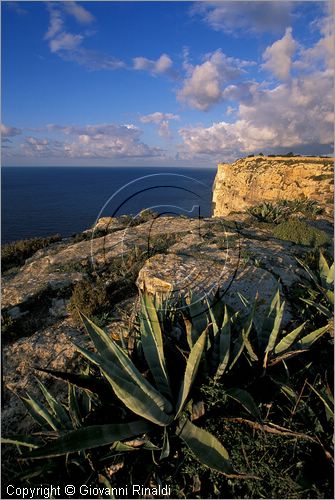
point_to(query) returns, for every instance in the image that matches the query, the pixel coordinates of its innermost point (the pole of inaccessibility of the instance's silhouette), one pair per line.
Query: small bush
(16, 253)
(269, 212)
(304, 206)
(90, 299)
(301, 233)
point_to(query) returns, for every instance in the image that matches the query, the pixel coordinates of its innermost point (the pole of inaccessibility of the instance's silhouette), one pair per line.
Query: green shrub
(91, 299)
(248, 372)
(301, 233)
(15, 254)
(304, 206)
(269, 212)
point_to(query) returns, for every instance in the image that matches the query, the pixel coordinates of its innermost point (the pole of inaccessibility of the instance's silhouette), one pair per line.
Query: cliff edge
(250, 181)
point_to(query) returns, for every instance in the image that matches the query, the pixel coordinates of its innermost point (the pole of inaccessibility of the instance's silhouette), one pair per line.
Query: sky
(165, 83)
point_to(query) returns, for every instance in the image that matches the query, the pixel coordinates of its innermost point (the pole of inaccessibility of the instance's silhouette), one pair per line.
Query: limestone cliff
(250, 181)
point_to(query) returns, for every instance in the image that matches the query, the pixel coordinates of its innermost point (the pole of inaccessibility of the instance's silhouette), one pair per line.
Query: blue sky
(164, 83)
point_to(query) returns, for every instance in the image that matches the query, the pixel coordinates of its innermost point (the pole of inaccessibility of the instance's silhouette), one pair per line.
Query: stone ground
(233, 253)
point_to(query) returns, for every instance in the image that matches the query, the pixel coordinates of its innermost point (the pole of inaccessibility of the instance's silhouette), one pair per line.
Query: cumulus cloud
(204, 85)
(291, 116)
(69, 46)
(65, 41)
(162, 122)
(9, 131)
(80, 14)
(295, 114)
(322, 52)
(160, 66)
(157, 117)
(91, 141)
(251, 16)
(278, 57)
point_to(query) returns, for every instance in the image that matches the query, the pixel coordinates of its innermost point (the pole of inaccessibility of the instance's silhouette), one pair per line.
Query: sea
(42, 201)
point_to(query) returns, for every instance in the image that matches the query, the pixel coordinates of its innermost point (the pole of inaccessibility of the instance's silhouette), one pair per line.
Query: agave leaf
(264, 332)
(22, 440)
(198, 317)
(57, 408)
(86, 438)
(237, 351)
(330, 296)
(328, 404)
(246, 332)
(246, 400)
(152, 342)
(206, 448)
(136, 400)
(275, 329)
(191, 370)
(308, 340)
(87, 382)
(188, 328)
(74, 407)
(119, 359)
(135, 392)
(40, 413)
(215, 326)
(286, 342)
(224, 346)
(102, 342)
(330, 275)
(166, 446)
(324, 268)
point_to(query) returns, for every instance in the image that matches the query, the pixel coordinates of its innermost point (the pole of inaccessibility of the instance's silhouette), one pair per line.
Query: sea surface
(41, 201)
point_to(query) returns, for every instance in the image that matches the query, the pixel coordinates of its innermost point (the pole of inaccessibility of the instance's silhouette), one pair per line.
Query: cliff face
(250, 181)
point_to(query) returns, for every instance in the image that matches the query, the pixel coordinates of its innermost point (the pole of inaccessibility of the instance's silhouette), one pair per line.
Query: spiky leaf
(90, 437)
(246, 400)
(287, 341)
(133, 389)
(206, 448)
(152, 343)
(191, 370)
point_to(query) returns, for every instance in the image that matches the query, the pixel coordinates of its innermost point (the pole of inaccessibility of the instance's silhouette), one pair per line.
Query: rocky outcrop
(250, 181)
(234, 254)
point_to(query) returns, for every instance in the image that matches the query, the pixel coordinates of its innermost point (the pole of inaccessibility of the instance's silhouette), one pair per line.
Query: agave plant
(160, 409)
(320, 289)
(269, 212)
(305, 206)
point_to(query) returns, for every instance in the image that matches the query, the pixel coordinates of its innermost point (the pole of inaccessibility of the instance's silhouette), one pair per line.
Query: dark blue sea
(41, 201)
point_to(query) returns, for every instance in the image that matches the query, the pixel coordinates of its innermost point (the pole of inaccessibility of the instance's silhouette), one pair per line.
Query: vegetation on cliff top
(189, 362)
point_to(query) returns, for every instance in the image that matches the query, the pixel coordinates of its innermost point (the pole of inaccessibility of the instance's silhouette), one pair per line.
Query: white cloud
(9, 131)
(162, 121)
(69, 46)
(164, 130)
(162, 65)
(65, 41)
(157, 117)
(80, 14)
(205, 83)
(55, 22)
(293, 115)
(278, 57)
(251, 16)
(323, 51)
(91, 141)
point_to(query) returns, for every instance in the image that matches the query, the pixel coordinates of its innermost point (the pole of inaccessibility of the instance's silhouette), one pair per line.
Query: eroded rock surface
(250, 181)
(232, 253)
